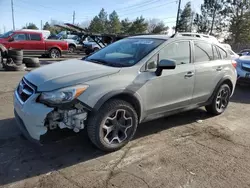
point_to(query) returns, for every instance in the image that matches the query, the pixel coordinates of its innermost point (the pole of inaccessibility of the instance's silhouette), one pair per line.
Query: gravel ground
(191, 149)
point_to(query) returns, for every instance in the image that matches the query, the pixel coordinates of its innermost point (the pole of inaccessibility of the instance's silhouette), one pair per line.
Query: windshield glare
(6, 35)
(126, 52)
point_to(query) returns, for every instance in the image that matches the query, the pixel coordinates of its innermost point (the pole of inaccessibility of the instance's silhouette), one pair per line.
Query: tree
(239, 23)
(125, 26)
(138, 26)
(212, 19)
(31, 26)
(99, 23)
(156, 26)
(185, 21)
(46, 26)
(114, 23)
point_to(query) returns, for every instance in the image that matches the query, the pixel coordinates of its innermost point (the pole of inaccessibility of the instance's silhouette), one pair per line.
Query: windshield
(126, 52)
(6, 35)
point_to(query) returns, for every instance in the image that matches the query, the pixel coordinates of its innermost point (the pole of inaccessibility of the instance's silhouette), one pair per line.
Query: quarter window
(178, 51)
(36, 37)
(203, 52)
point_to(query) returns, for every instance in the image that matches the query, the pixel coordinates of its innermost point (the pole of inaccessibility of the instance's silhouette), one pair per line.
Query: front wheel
(113, 126)
(220, 100)
(54, 53)
(72, 49)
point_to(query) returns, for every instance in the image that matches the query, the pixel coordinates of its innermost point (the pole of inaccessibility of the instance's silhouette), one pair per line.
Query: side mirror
(11, 39)
(165, 64)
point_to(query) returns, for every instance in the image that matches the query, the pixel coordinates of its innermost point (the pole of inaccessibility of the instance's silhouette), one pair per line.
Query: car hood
(67, 73)
(244, 59)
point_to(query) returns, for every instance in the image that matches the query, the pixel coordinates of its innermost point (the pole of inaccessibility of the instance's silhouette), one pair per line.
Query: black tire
(14, 67)
(32, 65)
(96, 122)
(72, 48)
(54, 53)
(219, 104)
(17, 58)
(31, 60)
(15, 52)
(18, 62)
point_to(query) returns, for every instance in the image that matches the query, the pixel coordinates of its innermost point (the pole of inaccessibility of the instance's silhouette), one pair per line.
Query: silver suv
(131, 81)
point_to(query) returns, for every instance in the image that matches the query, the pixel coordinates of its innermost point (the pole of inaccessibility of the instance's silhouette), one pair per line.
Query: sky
(34, 11)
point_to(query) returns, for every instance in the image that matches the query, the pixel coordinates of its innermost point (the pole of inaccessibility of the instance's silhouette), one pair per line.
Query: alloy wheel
(222, 99)
(116, 127)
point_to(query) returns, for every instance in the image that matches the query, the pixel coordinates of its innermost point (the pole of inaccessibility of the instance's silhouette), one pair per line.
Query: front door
(19, 41)
(174, 88)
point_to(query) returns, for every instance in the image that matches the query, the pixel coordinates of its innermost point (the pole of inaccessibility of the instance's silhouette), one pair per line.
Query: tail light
(234, 63)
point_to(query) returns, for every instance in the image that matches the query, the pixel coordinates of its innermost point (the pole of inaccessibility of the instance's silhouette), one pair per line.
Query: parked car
(75, 42)
(243, 70)
(233, 55)
(33, 43)
(91, 46)
(133, 80)
(245, 52)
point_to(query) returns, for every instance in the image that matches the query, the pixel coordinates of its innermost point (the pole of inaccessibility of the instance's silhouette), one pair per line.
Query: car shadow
(21, 159)
(241, 94)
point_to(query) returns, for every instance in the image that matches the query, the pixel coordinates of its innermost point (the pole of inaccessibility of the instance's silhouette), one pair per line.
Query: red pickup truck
(33, 43)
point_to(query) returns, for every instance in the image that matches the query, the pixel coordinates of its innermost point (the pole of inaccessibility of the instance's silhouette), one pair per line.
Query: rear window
(223, 53)
(36, 37)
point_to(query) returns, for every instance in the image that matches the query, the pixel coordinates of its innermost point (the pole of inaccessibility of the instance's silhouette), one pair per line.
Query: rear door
(35, 44)
(208, 70)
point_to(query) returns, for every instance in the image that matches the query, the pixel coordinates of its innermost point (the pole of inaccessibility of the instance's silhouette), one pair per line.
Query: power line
(139, 5)
(148, 8)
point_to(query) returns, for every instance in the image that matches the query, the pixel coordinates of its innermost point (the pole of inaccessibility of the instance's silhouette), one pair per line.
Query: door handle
(189, 74)
(219, 68)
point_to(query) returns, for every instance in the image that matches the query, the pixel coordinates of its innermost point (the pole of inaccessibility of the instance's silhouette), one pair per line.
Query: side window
(216, 55)
(223, 54)
(178, 51)
(203, 52)
(36, 37)
(19, 37)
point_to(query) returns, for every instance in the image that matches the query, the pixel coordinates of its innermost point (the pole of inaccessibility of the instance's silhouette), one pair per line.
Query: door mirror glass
(11, 39)
(167, 64)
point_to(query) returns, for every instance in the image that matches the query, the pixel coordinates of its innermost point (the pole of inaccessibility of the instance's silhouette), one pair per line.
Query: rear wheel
(54, 53)
(220, 100)
(113, 126)
(72, 48)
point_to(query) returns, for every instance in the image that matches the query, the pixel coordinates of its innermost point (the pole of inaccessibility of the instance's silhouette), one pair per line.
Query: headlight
(62, 95)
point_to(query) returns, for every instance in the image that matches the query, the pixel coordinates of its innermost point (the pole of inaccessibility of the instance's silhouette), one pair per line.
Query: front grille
(246, 69)
(25, 90)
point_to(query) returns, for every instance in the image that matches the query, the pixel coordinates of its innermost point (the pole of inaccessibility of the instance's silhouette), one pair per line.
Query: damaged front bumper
(30, 116)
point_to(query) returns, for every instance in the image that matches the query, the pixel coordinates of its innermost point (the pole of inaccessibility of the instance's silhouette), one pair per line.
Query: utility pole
(74, 14)
(178, 15)
(41, 25)
(13, 19)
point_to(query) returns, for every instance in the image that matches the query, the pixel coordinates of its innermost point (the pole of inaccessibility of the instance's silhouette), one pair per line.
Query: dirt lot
(191, 149)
